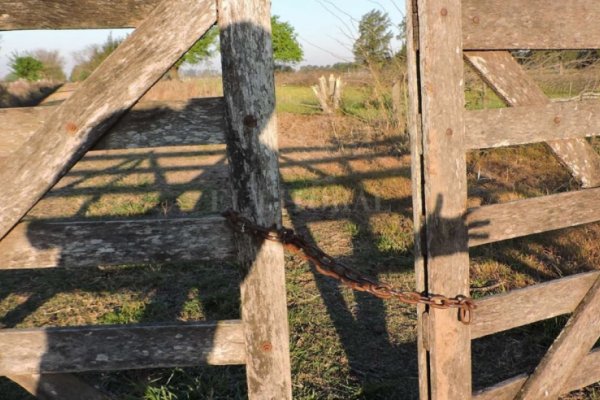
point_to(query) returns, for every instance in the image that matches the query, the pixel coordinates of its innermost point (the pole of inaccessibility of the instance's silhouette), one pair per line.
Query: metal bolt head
(71, 128)
(444, 12)
(266, 347)
(250, 121)
(475, 19)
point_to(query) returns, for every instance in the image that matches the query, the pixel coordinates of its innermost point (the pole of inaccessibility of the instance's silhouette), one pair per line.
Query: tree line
(44, 64)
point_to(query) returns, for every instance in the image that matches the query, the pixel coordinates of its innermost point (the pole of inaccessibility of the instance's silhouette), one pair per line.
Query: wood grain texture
(111, 348)
(534, 303)
(29, 172)
(73, 14)
(442, 107)
(506, 77)
(532, 124)
(531, 24)
(252, 151)
(58, 387)
(496, 222)
(147, 124)
(587, 374)
(416, 152)
(568, 351)
(96, 243)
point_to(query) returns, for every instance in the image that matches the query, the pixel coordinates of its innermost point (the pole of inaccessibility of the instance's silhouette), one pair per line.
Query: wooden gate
(40, 359)
(442, 34)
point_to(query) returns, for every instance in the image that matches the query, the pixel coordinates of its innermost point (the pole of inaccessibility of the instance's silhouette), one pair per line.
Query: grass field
(346, 182)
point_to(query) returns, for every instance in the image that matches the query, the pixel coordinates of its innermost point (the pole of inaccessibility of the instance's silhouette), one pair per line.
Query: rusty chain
(328, 266)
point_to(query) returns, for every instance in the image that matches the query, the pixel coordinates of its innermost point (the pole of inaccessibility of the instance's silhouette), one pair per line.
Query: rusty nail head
(557, 120)
(266, 346)
(250, 121)
(444, 12)
(71, 127)
(476, 20)
(449, 132)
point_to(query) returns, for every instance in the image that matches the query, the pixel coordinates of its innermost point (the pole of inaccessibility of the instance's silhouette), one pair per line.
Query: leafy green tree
(374, 39)
(203, 49)
(26, 67)
(402, 38)
(286, 49)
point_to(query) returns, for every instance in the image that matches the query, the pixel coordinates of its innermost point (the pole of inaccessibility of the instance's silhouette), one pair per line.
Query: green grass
(297, 100)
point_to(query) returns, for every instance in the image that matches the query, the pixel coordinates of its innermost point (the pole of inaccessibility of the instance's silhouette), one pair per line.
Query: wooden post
(28, 173)
(416, 152)
(444, 172)
(252, 149)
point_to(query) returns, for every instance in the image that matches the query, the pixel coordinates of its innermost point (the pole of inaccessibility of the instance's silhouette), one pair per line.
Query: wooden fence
(39, 145)
(442, 34)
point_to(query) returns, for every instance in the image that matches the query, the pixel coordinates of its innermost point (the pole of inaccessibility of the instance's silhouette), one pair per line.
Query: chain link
(328, 266)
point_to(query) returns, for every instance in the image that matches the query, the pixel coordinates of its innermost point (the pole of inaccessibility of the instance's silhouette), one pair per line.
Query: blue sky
(325, 28)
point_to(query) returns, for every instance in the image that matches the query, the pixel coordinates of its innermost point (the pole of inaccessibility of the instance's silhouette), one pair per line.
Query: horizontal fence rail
(530, 24)
(531, 124)
(588, 373)
(531, 304)
(73, 14)
(109, 348)
(95, 243)
(147, 124)
(496, 222)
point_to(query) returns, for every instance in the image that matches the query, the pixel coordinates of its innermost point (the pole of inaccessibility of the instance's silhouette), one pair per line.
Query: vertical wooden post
(416, 152)
(444, 172)
(252, 150)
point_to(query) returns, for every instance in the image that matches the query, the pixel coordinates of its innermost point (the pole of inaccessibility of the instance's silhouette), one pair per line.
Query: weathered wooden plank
(531, 304)
(416, 153)
(252, 150)
(531, 124)
(506, 77)
(505, 390)
(531, 24)
(94, 243)
(575, 341)
(73, 14)
(58, 387)
(29, 172)
(447, 263)
(587, 374)
(492, 223)
(111, 348)
(147, 124)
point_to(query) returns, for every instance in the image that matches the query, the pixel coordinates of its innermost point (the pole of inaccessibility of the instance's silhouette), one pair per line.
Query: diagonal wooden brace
(506, 77)
(568, 350)
(168, 32)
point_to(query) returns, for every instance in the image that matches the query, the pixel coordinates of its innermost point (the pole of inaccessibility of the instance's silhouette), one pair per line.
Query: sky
(326, 30)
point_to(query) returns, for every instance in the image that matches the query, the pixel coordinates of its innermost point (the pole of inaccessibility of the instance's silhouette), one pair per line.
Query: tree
(92, 57)
(203, 49)
(286, 49)
(374, 38)
(52, 64)
(26, 67)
